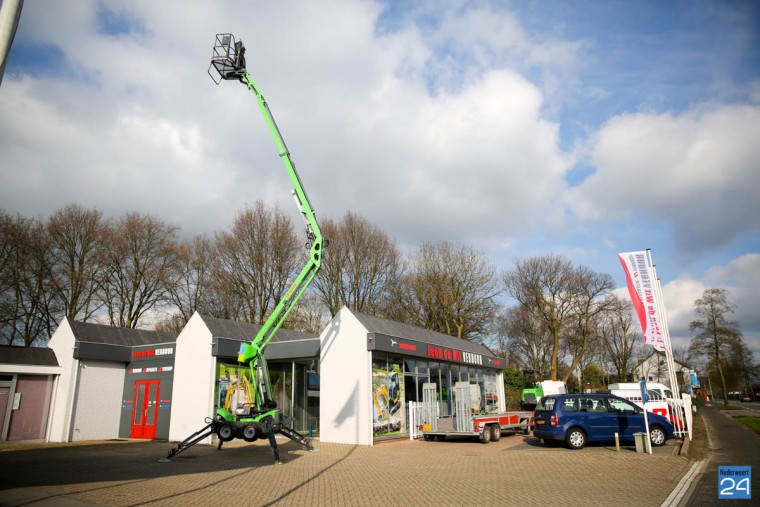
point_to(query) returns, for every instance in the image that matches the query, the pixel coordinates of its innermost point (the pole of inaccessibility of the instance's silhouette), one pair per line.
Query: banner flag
(641, 288)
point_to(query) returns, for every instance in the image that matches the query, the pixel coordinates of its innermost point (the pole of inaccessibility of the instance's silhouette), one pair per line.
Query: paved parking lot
(513, 471)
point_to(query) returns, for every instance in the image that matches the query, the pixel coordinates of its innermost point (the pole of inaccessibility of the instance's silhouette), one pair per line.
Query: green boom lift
(261, 417)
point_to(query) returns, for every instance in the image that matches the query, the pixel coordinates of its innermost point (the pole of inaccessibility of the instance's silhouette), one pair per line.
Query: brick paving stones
(514, 471)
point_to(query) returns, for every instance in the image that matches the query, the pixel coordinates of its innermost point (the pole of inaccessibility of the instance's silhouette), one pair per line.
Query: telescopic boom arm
(228, 61)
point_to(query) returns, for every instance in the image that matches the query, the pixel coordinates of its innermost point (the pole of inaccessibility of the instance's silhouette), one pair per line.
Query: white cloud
(741, 278)
(696, 171)
(679, 296)
(148, 130)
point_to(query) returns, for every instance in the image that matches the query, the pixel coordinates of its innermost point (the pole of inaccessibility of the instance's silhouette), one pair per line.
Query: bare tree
(543, 286)
(362, 266)
(8, 294)
(77, 237)
(529, 339)
(309, 316)
(450, 289)
(139, 262)
(25, 303)
(590, 301)
(258, 259)
(620, 340)
(717, 335)
(193, 280)
(738, 369)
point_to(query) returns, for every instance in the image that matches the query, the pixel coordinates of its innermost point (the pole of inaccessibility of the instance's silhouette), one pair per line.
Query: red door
(145, 409)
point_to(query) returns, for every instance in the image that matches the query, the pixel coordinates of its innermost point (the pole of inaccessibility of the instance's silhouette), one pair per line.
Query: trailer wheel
(485, 435)
(429, 438)
(225, 432)
(441, 438)
(495, 432)
(250, 433)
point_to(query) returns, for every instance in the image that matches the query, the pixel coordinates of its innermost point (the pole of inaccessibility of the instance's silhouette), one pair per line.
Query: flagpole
(666, 341)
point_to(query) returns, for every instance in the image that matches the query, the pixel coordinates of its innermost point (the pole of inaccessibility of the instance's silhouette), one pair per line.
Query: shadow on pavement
(34, 466)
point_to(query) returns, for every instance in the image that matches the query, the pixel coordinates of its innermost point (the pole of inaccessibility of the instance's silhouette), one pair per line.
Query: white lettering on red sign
(166, 351)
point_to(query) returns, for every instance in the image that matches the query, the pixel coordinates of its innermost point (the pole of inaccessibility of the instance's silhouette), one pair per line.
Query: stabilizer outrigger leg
(190, 441)
(285, 428)
(297, 438)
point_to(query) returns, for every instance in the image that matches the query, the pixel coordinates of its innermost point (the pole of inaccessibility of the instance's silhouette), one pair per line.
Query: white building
(654, 368)
(371, 368)
(351, 384)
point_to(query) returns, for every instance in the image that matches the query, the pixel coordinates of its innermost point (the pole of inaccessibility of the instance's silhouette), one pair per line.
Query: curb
(683, 490)
(688, 483)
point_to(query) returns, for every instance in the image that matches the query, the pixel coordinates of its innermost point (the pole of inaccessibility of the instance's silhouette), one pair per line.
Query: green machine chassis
(261, 417)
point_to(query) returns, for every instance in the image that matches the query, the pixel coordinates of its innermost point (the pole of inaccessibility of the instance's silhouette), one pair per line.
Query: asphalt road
(729, 443)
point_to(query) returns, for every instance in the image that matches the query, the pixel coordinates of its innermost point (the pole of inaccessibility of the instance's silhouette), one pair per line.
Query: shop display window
(388, 404)
(397, 381)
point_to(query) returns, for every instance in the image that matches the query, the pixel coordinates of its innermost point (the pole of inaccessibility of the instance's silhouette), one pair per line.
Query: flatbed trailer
(486, 427)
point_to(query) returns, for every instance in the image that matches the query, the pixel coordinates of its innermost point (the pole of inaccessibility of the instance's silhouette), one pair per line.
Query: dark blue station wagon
(577, 419)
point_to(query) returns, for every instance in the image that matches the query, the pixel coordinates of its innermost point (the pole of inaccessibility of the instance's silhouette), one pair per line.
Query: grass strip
(751, 422)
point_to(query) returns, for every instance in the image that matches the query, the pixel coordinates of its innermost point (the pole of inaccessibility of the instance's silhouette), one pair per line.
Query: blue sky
(582, 128)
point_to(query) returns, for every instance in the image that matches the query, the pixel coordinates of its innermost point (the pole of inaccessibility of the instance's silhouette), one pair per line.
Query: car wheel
(657, 436)
(576, 438)
(495, 433)
(485, 435)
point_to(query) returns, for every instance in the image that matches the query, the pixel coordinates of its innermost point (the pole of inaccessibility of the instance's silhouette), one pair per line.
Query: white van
(632, 391)
(660, 399)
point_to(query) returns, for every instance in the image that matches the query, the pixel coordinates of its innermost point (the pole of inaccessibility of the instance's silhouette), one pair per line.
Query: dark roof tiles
(112, 335)
(36, 356)
(245, 331)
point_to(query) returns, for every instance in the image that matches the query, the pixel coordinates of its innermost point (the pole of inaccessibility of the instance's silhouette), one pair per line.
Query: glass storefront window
(379, 361)
(312, 399)
(397, 380)
(410, 366)
(445, 405)
(232, 393)
(296, 399)
(491, 393)
(454, 374)
(388, 413)
(435, 369)
(281, 378)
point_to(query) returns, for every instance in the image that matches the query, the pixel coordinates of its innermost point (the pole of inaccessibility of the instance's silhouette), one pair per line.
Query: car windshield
(546, 404)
